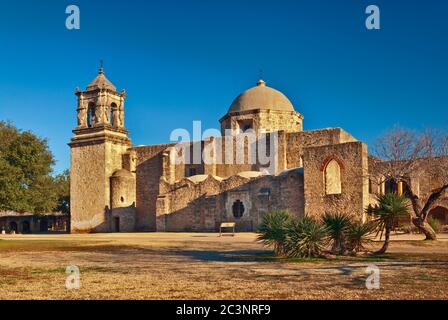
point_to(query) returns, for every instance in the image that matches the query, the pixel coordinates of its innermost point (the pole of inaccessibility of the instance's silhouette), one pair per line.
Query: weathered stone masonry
(118, 187)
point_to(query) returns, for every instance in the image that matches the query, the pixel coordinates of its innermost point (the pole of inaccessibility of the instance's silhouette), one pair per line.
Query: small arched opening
(238, 209)
(117, 224)
(91, 114)
(114, 115)
(13, 227)
(439, 213)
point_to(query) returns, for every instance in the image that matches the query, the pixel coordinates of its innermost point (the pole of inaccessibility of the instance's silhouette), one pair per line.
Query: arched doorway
(117, 224)
(26, 227)
(440, 213)
(13, 226)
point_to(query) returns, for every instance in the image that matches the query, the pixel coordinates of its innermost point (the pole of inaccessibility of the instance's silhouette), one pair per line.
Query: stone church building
(116, 186)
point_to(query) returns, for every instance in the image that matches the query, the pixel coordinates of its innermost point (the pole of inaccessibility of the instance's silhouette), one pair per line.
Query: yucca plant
(272, 231)
(337, 225)
(305, 238)
(387, 211)
(359, 235)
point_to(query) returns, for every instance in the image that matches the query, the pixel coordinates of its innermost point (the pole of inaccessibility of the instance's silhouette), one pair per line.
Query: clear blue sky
(187, 60)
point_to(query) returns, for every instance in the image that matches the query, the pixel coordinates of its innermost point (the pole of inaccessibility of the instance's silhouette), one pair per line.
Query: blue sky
(187, 60)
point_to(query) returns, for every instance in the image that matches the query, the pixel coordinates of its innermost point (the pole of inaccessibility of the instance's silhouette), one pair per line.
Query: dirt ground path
(205, 266)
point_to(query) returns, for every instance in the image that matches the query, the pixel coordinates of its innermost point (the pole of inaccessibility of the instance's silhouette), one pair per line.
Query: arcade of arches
(11, 222)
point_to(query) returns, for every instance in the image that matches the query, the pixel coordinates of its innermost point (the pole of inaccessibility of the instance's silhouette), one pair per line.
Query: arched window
(90, 114)
(332, 175)
(114, 114)
(391, 186)
(238, 209)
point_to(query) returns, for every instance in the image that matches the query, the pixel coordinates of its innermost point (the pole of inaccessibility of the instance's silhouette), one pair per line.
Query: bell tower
(97, 149)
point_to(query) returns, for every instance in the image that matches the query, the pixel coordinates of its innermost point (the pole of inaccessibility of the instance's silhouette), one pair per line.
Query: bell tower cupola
(101, 105)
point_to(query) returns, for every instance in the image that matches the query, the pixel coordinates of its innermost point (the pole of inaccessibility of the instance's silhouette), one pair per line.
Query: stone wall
(96, 153)
(148, 172)
(123, 195)
(202, 202)
(203, 205)
(88, 198)
(354, 196)
(297, 142)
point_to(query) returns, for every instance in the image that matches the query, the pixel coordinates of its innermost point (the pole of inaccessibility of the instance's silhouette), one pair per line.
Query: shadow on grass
(226, 256)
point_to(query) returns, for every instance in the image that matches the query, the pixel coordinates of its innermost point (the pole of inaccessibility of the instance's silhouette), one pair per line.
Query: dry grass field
(205, 266)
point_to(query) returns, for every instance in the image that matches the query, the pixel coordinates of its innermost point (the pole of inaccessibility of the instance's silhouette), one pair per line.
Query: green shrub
(337, 225)
(306, 238)
(435, 224)
(272, 231)
(358, 235)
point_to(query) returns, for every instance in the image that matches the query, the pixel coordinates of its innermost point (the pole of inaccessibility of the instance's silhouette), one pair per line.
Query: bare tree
(419, 162)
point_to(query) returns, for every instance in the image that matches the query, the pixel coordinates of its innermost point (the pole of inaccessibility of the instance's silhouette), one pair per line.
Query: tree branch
(431, 200)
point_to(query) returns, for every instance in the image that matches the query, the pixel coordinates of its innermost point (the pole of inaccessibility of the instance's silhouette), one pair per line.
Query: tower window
(90, 115)
(238, 209)
(114, 115)
(245, 125)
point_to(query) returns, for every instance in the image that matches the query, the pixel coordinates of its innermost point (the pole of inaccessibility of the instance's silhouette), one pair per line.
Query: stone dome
(261, 97)
(101, 82)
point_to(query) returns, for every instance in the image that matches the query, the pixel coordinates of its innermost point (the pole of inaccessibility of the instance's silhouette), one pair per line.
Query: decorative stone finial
(261, 82)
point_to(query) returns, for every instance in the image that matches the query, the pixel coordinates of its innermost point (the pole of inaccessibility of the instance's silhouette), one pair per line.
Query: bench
(227, 225)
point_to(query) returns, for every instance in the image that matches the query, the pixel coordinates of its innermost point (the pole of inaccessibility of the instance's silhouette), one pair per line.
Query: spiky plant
(337, 225)
(387, 211)
(359, 235)
(272, 232)
(306, 238)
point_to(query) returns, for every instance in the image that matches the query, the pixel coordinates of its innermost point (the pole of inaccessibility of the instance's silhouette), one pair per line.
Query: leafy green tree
(26, 184)
(62, 186)
(387, 211)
